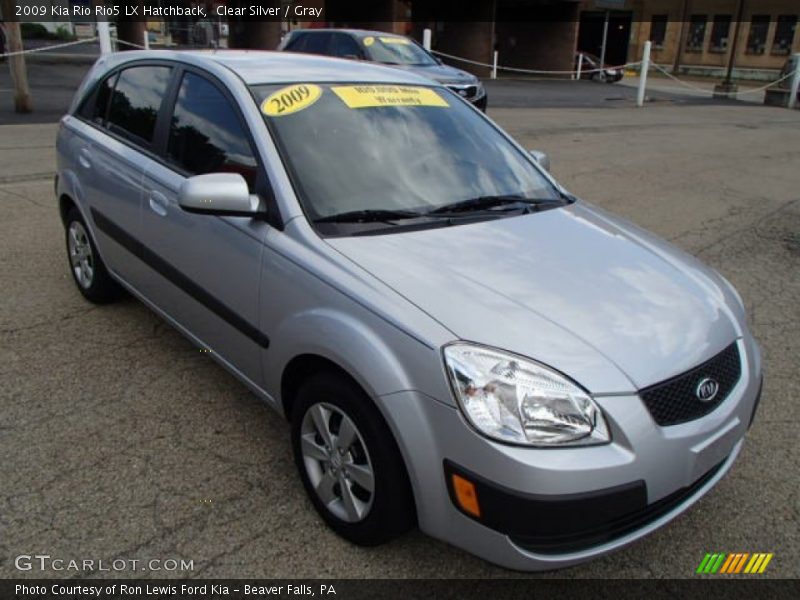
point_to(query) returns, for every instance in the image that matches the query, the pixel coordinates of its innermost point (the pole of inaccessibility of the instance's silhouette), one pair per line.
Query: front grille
(675, 401)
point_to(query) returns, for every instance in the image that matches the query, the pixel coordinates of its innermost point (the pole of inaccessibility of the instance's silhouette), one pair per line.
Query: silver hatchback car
(456, 340)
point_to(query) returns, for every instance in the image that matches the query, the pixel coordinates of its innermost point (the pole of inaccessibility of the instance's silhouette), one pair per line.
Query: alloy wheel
(80, 255)
(337, 462)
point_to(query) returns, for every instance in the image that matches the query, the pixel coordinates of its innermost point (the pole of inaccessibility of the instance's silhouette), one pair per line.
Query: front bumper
(651, 474)
(481, 102)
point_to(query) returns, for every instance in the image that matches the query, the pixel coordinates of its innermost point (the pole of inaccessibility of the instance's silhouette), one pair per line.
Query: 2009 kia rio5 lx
(456, 341)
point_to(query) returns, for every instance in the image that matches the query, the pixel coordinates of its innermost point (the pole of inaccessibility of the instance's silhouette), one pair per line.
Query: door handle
(84, 158)
(158, 203)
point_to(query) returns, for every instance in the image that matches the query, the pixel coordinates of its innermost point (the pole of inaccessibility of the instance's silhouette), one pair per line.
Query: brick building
(695, 35)
(698, 34)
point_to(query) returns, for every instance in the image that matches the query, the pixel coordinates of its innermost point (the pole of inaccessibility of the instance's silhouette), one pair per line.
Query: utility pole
(602, 65)
(257, 35)
(19, 74)
(130, 30)
(681, 38)
(728, 89)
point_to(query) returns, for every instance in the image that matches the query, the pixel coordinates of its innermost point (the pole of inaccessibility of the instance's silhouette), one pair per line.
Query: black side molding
(171, 273)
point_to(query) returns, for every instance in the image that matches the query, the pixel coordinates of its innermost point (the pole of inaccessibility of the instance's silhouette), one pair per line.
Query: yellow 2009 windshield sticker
(291, 99)
(395, 40)
(369, 40)
(369, 96)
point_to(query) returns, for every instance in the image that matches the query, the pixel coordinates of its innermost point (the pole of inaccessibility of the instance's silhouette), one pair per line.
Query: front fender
(381, 358)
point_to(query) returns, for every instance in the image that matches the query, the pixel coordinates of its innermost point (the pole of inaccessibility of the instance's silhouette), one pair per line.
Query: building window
(697, 33)
(757, 40)
(784, 34)
(658, 31)
(720, 31)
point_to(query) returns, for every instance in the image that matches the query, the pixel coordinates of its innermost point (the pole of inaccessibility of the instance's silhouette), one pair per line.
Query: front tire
(349, 462)
(87, 268)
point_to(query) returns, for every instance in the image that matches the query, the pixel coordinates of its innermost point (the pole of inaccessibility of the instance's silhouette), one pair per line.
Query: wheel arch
(378, 357)
(65, 203)
(304, 366)
(301, 368)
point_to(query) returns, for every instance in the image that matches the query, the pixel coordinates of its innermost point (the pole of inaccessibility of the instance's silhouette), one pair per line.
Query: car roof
(264, 67)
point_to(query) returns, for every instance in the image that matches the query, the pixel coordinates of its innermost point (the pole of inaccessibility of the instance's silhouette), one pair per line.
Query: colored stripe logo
(735, 563)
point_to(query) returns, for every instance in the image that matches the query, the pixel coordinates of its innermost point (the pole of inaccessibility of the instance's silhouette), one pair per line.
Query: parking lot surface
(121, 440)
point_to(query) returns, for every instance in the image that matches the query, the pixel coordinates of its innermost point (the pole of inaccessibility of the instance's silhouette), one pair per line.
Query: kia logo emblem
(706, 390)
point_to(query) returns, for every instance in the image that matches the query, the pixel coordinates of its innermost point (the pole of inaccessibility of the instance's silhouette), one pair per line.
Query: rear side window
(310, 43)
(317, 43)
(206, 134)
(344, 46)
(95, 107)
(136, 101)
(297, 43)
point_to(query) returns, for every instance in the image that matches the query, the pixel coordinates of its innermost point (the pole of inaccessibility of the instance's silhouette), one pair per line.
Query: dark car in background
(591, 69)
(387, 49)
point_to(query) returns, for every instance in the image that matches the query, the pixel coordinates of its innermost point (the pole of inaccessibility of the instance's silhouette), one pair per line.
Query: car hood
(595, 297)
(440, 73)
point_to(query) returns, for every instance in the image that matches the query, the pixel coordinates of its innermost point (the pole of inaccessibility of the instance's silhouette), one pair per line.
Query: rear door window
(136, 102)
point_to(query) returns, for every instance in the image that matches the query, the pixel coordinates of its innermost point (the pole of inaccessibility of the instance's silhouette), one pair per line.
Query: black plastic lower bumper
(557, 524)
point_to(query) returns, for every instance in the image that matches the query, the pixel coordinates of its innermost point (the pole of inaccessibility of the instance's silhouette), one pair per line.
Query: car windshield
(399, 149)
(395, 50)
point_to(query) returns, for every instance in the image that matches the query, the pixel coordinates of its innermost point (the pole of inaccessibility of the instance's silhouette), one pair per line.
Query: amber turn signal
(466, 495)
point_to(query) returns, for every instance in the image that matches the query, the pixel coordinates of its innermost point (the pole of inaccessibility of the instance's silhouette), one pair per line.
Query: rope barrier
(532, 71)
(686, 85)
(131, 44)
(703, 91)
(47, 48)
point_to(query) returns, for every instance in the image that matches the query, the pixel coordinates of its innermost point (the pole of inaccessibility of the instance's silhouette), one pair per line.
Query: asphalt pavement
(119, 439)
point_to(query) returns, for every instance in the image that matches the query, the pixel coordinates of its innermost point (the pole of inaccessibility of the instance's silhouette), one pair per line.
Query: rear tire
(349, 462)
(87, 268)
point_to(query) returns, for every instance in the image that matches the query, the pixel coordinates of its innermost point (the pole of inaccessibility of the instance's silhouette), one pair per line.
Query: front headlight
(512, 399)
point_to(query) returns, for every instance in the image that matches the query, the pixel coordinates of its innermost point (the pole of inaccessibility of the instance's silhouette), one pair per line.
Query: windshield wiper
(489, 202)
(370, 216)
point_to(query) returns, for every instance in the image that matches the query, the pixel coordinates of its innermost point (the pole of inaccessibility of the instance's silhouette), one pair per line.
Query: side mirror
(223, 194)
(541, 158)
